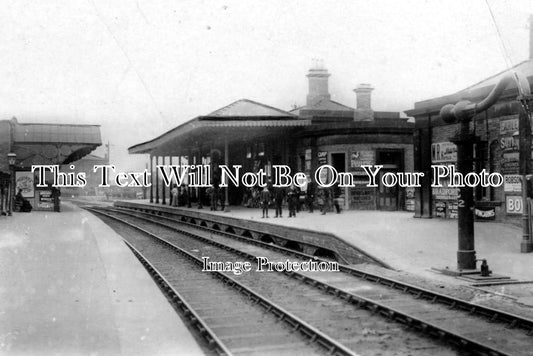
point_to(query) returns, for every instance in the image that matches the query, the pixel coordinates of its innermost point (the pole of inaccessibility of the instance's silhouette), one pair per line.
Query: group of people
(269, 196)
(216, 197)
(180, 196)
(277, 195)
(325, 198)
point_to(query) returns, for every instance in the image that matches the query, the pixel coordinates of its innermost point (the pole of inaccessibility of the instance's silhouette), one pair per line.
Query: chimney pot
(363, 111)
(318, 83)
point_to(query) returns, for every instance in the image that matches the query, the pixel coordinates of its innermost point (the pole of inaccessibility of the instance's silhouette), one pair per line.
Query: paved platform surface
(70, 286)
(407, 243)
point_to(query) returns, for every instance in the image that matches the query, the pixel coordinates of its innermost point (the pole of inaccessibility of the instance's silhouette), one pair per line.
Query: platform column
(226, 162)
(163, 190)
(151, 178)
(171, 184)
(156, 180)
(189, 162)
(199, 162)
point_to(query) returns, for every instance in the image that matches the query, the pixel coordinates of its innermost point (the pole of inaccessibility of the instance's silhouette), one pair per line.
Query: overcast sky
(140, 68)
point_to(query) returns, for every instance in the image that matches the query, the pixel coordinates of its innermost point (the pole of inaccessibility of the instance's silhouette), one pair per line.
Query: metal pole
(10, 194)
(156, 180)
(226, 162)
(151, 178)
(524, 131)
(199, 190)
(463, 112)
(163, 199)
(466, 253)
(171, 186)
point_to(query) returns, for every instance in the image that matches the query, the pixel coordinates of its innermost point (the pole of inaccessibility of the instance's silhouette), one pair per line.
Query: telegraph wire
(139, 76)
(505, 52)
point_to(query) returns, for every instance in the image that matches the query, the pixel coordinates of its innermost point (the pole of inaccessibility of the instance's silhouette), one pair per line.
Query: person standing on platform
(292, 199)
(185, 196)
(265, 200)
(222, 198)
(279, 195)
(321, 200)
(337, 199)
(212, 193)
(174, 193)
(298, 192)
(310, 196)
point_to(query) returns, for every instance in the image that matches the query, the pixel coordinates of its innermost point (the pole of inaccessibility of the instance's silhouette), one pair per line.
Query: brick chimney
(318, 83)
(363, 111)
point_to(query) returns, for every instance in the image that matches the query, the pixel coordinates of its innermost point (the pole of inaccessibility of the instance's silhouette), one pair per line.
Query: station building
(23, 145)
(496, 149)
(258, 136)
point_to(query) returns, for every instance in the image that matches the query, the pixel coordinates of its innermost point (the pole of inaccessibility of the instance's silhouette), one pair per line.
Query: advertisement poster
(443, 152)
(246, 177)
(26, 183)
(359, 158)
(512, 183)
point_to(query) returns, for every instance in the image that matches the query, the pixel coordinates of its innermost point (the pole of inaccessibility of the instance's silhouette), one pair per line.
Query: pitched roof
(323, 105)
(92, 157)
(248, 108)
(475, 91)
(525, 67)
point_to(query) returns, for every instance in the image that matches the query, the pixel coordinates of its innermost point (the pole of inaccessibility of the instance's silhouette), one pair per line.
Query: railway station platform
(413, 245)
(69, 286)
(404, 242)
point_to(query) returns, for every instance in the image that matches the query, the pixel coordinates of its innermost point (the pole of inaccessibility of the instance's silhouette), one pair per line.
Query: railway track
(358, 311)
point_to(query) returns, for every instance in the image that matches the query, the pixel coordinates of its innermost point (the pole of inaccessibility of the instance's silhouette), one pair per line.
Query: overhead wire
(124, 52)
(523, 93)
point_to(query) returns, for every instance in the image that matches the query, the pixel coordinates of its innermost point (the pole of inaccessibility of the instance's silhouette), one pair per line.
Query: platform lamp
(12, 160)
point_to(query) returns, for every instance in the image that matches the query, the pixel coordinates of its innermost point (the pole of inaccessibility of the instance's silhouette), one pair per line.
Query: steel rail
(310, 332)
(494, 315)
(361, 301)
(177, 299)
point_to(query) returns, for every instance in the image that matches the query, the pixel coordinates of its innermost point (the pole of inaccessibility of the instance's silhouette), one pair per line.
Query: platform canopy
(244, 120)
(48, 143)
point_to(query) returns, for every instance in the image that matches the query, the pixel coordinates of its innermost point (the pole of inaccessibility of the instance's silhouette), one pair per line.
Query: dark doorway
(389, 197)
(338, 161)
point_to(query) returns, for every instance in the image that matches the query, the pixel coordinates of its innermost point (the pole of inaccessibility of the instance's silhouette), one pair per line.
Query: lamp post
(12, 160)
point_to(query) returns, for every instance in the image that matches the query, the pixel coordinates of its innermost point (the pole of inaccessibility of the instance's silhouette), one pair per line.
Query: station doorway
(389, 197)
